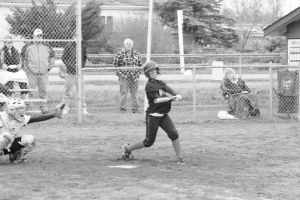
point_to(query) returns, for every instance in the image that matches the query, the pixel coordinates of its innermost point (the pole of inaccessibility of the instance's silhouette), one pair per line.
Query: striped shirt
(128, 59)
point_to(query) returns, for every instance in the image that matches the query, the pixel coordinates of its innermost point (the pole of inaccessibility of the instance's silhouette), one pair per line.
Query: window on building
(108, 23)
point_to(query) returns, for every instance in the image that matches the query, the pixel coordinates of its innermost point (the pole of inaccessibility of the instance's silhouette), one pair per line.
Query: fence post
(79, 62)
(270, 92)
(194, 93)
(240, 65)
(299, 94)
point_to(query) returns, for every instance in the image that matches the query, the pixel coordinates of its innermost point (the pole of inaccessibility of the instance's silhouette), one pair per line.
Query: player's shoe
(180, 161)
(17, 157)
(126, 153)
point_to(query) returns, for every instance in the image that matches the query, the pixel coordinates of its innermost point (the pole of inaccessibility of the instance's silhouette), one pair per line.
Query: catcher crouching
(12, 118)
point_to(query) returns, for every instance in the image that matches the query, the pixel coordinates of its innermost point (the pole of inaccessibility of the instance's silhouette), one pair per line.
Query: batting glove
(178, 97)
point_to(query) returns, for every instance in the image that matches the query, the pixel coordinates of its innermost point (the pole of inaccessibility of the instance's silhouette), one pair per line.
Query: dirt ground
(225, 160)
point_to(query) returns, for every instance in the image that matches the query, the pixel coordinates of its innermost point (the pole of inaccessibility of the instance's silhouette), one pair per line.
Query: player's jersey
(12, 126)
(153, 90)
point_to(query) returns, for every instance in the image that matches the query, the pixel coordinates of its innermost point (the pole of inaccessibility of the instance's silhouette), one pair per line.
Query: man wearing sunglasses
(37, 60)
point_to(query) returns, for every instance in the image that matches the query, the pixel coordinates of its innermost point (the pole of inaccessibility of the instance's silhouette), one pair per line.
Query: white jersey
(12, 126)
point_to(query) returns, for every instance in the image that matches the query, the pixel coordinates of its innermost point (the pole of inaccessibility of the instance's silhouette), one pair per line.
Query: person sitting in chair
(241, 103)
(11, 67)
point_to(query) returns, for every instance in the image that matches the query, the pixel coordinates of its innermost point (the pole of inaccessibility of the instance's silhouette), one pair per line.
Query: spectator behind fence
(241, 103)
(11, 67)
(128, 78)
(37, 59)
(70, 74)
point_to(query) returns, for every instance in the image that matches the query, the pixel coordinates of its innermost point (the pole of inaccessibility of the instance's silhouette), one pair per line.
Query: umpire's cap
(150, 65)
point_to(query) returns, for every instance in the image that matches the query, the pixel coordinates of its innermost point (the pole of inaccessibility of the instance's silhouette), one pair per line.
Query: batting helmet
(148, 66)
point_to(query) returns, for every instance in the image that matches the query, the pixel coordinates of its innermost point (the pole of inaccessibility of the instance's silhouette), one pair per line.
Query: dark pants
(16, 146)
(152, 124)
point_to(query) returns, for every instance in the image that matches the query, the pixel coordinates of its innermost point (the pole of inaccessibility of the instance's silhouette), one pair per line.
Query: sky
(288, 5)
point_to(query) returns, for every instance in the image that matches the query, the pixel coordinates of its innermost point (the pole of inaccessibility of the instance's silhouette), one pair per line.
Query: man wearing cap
(128, 75)
(37, 60)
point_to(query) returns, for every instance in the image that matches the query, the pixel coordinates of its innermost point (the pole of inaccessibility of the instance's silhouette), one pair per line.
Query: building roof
(279, 27)
(106, 2)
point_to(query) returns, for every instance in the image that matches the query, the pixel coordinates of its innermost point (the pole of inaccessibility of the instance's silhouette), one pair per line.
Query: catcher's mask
(149, 66)
(16, 107)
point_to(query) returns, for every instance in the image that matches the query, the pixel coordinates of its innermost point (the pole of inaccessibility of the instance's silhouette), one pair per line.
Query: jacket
(9, 59)
(133, 62)
(228, 87)
(36, 57)
(69, 57)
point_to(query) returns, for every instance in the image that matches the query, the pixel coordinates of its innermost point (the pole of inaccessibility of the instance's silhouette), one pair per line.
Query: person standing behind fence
(37, 59)
(128, 78)
(70, 75)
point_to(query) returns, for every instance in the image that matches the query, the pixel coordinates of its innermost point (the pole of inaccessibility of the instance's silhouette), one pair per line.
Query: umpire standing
(128, 75)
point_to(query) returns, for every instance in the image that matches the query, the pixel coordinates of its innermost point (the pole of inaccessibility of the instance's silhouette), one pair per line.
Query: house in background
(112, 12)
(289, 27)
(251, 36)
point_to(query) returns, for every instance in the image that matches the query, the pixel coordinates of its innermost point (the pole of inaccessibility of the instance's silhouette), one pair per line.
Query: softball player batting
(157, 113)
(11, 120)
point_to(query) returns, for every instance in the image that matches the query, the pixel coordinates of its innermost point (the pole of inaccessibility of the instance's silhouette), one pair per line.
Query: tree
(55, 24)
(45, 17)
(252, 15)
(92, 25)
(276, 44)
(202, 19)
(162, 40)
(276, 11)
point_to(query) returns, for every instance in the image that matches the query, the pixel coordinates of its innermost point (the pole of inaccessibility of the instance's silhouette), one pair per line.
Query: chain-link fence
(39, 41)
(200, 85)
(284, 84)
(41, 68)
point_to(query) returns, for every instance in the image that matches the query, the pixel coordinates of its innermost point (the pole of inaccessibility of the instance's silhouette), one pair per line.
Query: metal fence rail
(105, 60)
(101, 88)
(200, 92)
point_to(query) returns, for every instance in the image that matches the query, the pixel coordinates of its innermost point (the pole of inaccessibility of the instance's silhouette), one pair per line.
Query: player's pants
(70, 85)
(132, 86)
(152, 124)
